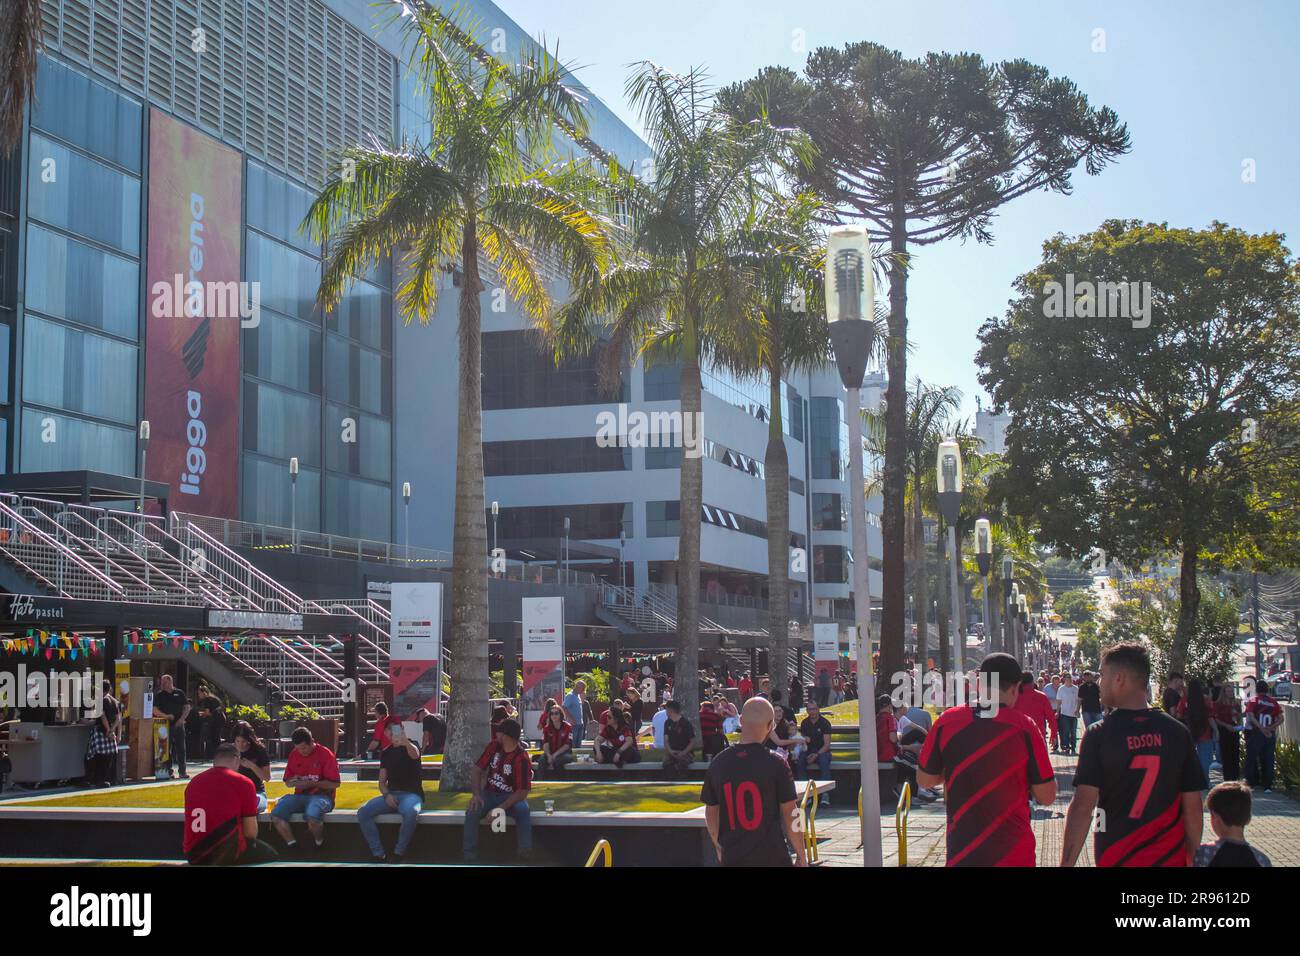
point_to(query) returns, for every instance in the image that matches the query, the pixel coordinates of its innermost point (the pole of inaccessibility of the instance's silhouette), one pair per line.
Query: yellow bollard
(810, 820)
(602, 848)
(901, 813)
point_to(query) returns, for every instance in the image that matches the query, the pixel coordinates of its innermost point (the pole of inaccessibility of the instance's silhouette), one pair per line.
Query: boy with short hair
(1229, 805)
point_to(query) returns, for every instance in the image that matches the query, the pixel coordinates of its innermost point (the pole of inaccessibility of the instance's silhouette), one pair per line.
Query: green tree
(1076, 607)
(925, 150)
(678, 295)
(20, 44)
(488, 186)
(1127, 432)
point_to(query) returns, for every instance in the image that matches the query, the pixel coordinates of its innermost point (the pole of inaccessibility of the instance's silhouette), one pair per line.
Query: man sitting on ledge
(679, 740)
(503, 775)
(313, 772)
(221, 815)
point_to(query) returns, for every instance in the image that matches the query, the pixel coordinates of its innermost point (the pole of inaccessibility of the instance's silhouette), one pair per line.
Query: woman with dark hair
(101, 753)
(254, 761)
(796, 695)
(1226, 712)
(545, 716)
(1194, 710)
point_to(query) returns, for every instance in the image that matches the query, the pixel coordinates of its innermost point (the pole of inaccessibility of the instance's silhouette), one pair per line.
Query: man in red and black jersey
(1139, 767)
(749, 797)
(989, 760)
(503, 775)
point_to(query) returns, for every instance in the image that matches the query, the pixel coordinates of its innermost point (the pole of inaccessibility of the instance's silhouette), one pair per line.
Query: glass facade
(586, 522)
(831, 564)
(519, 373)
(82, 293)
(828, 512)
(552, 456)
(830, 438)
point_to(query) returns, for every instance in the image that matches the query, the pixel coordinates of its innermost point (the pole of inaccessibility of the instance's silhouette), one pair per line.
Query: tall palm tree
(20, 42)
(678, 293)
(488, 186)
(781, 250)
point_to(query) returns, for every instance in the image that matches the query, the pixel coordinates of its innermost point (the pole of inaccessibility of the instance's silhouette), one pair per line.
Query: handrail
(901, 813)
(602, 848)
(304, 661)
(82, 543)
(277, 592)
(64, 552)
(149, 548)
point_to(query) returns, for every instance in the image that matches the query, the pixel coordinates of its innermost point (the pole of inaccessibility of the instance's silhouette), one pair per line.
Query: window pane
(365, 315)
(285, 351)
(269, 498)
(358, 509)
(277, 207)
(289, 280)
(281, 424)
(357, 443)
(77, 444)
(83, 197)
(78, 371)
(76, 109)
(77, 282)
(357, 376)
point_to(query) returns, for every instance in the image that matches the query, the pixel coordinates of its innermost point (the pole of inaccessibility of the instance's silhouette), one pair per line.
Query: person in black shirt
(1229, 806)
(749, 797)
(254, 761)
(1139, 768)
(101, 753)
(171, 701)
(816, 729)
(1090, 700)
(213, 714)
(401, 790)
(435, 732)
(679, 740)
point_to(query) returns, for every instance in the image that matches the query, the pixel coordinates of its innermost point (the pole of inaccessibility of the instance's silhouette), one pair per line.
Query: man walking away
(221, 815)
(1139, 769)
(1067, 717)
(679, 740)
(990, 762)
(712, 739)
(749, 797)
(1263, 717)
(1089, 700)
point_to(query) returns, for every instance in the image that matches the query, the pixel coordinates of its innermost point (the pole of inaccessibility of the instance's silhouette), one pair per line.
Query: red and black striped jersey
(1141, 762)
(988, 764)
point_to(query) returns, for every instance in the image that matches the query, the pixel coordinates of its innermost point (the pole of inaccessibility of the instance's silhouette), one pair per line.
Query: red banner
(193, 306)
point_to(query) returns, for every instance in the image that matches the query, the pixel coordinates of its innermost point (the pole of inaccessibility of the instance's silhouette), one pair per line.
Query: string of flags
(71, 645)
(49, 643)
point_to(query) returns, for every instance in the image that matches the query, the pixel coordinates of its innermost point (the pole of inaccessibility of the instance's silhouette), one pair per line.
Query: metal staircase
(647, 611)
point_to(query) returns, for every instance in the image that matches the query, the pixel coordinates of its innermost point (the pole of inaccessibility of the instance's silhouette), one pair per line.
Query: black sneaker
(396, 859)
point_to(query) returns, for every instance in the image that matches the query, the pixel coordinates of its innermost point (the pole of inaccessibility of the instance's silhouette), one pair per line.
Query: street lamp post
(1008, 575)
(949, 478)
(984, 558)
(1013, 616)
(144, 458)
(622, 562)
(496, 508)
(850, 299)
(566, 549)
(1023, 606)
(293, 503)
(406, 518)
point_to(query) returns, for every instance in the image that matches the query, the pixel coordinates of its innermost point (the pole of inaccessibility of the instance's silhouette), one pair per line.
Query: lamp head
(293, 467)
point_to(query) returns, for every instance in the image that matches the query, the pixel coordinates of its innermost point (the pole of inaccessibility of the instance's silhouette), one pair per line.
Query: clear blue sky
(1202, 86)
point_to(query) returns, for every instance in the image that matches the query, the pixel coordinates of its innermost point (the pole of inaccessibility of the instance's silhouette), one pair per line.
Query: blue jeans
(409, 806)
(823, 766)
(1260, 753)
(313, 807)
(1067, 729)
(1205, 754)
(491, 800)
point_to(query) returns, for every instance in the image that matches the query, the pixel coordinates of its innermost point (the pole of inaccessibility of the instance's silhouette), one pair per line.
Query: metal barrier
(901, 813)
(809, 815)
(602, 848)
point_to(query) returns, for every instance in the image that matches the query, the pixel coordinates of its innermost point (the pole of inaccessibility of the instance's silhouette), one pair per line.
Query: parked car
(1283, 685)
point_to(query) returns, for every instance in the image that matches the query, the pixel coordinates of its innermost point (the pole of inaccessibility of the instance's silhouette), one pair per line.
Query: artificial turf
(639, 798)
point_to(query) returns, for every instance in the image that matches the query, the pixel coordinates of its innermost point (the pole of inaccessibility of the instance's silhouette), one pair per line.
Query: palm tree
(679, 293)
(20, 42)
(487, 186)
(781, 251)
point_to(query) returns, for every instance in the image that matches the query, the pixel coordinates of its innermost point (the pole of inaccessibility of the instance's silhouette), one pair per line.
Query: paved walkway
(1275, 829)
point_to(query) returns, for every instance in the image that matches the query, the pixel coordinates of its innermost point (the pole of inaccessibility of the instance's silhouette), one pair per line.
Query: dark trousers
(100, 767)
(1230, 753)
(1260, 751)
(176, 750)
(1067, 728)
(255, 851)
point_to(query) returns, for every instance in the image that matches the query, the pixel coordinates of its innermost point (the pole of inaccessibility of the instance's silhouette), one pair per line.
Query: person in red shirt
(1033, 703)
(617, 741)
(746, 688)
(990, 761)
(313, 772)
(711, 737)
(1263, 717)
(503, 777)
(886, 729)
(221, 816)
(379, 739)
(557, 742)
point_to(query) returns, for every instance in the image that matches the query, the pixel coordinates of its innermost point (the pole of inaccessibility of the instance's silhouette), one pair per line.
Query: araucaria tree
(1139, 430)
(488, 186)
(925, 150)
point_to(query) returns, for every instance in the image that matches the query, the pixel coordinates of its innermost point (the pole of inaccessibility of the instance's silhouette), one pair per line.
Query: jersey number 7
(1150, 767)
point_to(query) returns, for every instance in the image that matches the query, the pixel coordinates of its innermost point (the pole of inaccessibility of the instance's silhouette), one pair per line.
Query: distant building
(991, 430)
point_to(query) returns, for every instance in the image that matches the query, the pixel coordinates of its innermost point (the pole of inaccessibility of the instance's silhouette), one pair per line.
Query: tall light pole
(1008, 576)
(948, 476)
(406, 518)
(144, 459)
(566, 549)
(622, 561)
(984, 558)
(1023, 607)
(1013, 615)
(293, 503)
(850, 303)
(496, 509)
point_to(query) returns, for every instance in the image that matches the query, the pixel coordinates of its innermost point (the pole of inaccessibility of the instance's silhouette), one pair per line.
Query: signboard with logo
(826, 652)
(415, 646)
(193, 309)
(33, 607)
(543, 631)
(231, 619)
